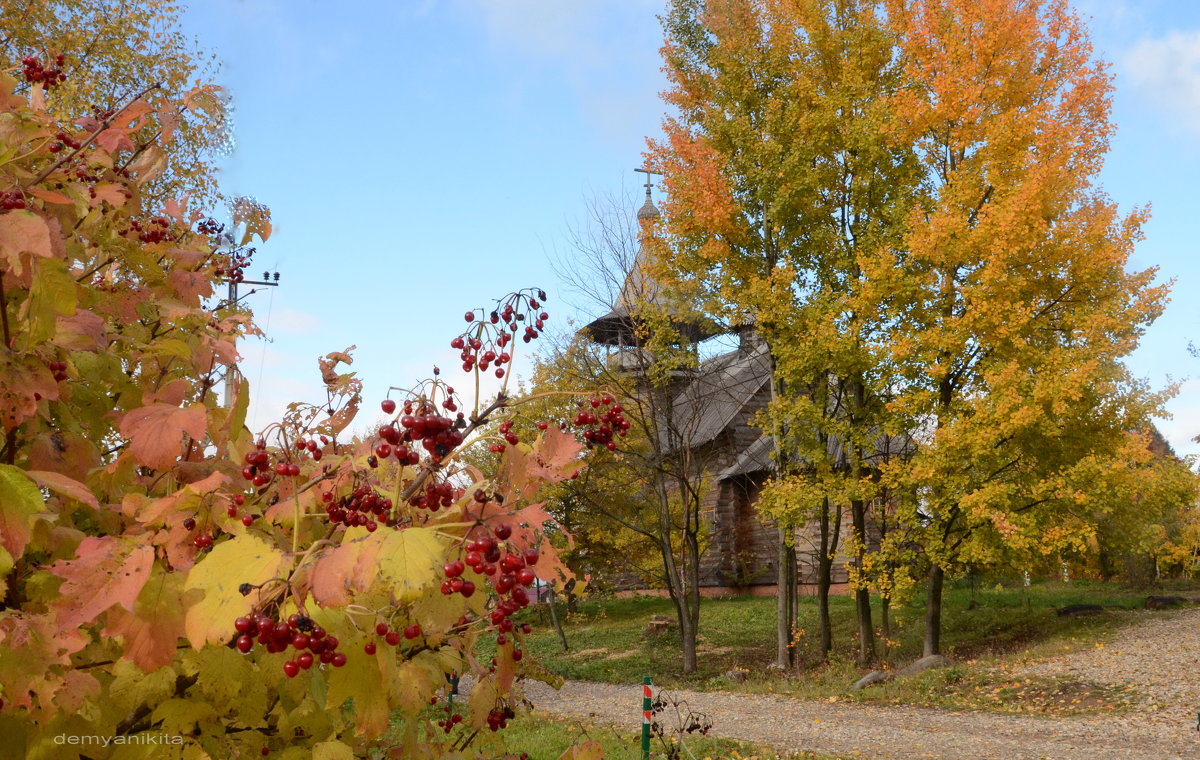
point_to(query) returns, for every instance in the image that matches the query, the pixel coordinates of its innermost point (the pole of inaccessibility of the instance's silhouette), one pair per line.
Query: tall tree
(782, 184)
(114, 49)
(644, 353)
(901, 195)
(1009, 292)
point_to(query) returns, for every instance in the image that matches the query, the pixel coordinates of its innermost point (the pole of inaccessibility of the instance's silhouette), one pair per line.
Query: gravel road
(1160, 656)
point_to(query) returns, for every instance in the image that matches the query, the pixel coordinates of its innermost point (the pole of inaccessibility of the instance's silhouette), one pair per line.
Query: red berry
(469, 316)
(247, 520)
(525, 576)
(531, 556)
(502, 531)
(381, 629)
(338, 659)
(291, 668)
(244, 643)
(369, 647)
(243, 624)
(412, 631)
(388, 406)
(305, 660)
(392, 637)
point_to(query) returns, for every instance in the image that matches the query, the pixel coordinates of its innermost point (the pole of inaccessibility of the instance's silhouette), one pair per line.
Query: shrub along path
(1158, 657)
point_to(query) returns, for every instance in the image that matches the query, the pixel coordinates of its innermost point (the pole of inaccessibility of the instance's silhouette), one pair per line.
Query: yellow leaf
(332, 751)
(482, 700)
(245, 559)
(410, 561)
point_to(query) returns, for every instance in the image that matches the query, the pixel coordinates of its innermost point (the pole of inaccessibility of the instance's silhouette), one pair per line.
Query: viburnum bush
(172, 581)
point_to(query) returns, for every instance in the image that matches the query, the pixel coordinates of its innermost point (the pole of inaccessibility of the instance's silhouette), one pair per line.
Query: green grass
(986, 631)
(545, 737)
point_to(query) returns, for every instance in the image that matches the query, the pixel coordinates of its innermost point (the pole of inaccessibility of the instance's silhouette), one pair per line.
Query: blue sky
(422, 157)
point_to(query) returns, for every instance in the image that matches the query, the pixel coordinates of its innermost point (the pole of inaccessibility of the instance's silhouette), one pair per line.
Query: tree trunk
(885, 622)
(785, 621)
(862, 594)
(562, 636)
(679, 596)
(825, 578)
(933, 612)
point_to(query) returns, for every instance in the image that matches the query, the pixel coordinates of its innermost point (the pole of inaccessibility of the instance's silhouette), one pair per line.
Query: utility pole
(269, 279)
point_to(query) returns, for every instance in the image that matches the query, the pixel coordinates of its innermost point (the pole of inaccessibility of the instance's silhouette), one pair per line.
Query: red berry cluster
(202, 541)
(11, 199)
(439, 434)
(154, 231)
(299, 633)
(438, 494)
(510, 573)
(231, 510)
(34, 72)
(59, 369)
(483, 345)
(66, 141)
(210, 227)
(452, 720)
(499, 717)
(600, 425)
(392, 637)
(258, 469)
(454, 584)
(233, 264)
(505, 432)
(361, 507)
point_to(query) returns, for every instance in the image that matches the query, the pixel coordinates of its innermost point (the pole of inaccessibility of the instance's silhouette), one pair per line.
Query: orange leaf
(23, 232)
(155, 432)
(49, 196)
(190, 286)
(152, 631)
(108, 191)
(65, 486)
(108, 570)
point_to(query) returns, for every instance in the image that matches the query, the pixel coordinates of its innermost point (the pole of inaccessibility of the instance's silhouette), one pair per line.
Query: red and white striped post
(647, 716)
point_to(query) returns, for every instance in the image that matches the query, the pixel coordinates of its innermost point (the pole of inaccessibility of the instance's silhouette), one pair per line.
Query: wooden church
(713, 408)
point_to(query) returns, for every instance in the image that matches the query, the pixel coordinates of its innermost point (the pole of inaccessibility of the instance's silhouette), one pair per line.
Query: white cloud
(1166, 71)
(292, 321)
(1184, 423)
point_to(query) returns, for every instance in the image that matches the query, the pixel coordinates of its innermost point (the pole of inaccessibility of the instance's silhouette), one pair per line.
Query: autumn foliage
(170, 578)
(901, 196)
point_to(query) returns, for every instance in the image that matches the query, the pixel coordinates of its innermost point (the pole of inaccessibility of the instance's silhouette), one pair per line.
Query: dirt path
(1161, 657)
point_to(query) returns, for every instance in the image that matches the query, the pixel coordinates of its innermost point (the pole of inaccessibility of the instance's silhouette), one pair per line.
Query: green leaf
(172, 347)
(6, 566)
(52, 295)
(20, 500)
(365, 680)
(229, 680)
(245, 559)
(180, 716)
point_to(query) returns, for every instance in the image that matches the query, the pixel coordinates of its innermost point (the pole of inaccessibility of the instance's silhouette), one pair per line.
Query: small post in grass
(647, 695)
